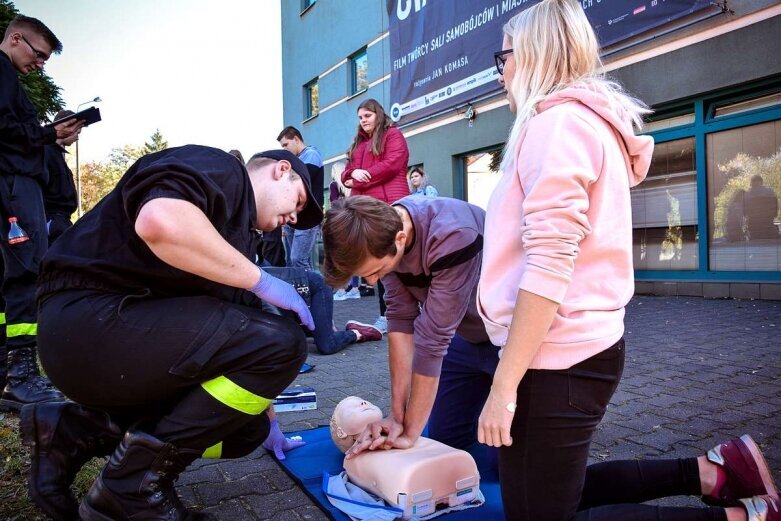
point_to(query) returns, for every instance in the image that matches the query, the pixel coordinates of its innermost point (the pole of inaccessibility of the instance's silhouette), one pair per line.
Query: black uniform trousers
(194, 371)
(20, 197)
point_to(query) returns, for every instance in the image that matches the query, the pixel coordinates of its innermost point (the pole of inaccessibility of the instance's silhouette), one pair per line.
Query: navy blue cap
(312, 214)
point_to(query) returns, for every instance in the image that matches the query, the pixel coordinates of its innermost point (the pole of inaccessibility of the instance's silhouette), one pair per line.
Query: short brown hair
(355, 228)
(290, 133)
(37, 26)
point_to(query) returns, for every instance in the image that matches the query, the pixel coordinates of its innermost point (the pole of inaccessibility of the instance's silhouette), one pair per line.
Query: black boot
(137, 483)
(63, 436)
(24, 383)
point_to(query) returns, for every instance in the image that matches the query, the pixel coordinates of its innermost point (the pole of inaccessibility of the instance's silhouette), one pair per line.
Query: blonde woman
(556, 275)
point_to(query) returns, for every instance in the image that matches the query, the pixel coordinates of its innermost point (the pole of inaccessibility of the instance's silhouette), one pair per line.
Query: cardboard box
(296, 399)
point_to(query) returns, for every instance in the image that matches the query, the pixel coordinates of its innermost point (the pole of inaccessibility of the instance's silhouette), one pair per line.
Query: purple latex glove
(283, 295)
(277, 442)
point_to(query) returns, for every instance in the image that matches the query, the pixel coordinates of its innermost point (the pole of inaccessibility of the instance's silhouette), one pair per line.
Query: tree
(98, 178)
(156, 143)
(41, 89)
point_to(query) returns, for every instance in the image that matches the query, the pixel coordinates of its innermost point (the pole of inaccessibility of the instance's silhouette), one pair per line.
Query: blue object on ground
(306, 465)
(305, 368)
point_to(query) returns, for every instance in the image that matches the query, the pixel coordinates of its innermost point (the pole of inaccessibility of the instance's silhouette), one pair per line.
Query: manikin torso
(418, 480)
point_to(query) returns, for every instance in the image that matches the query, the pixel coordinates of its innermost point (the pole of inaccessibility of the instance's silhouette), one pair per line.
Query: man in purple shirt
(427, 251)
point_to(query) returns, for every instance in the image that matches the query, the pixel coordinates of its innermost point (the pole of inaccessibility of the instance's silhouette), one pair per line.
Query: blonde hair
(336, 176)
(555, 47)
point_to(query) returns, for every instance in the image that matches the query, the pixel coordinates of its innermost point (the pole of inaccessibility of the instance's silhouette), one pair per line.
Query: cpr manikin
(420, 480)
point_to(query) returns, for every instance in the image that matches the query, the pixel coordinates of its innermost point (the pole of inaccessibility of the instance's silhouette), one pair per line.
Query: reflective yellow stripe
(213, 452)
(21, 329)
(234, 396)
(2, 319)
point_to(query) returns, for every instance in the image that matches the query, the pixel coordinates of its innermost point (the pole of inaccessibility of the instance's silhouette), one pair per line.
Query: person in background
(60, 199)
(299, 244)
(418, 183)
(377, 167)
(26, 46)
(338, 191)
(557, 273)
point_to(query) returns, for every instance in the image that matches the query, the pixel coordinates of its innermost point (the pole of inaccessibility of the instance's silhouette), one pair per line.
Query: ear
(401, 239)
(340, 433)
(281, 168)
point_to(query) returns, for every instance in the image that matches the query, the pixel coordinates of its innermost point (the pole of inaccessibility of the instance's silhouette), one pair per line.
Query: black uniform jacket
(102, 250)
(21, 135)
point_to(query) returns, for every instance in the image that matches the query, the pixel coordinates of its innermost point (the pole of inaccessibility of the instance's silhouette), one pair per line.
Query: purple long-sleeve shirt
(432, 292)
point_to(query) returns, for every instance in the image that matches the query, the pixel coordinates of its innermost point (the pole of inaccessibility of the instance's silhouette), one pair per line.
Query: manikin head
(350, 417)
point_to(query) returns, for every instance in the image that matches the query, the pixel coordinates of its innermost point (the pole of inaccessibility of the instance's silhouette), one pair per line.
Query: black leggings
(544, 473)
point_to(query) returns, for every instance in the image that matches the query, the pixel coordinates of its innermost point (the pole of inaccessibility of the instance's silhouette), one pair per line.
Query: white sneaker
(340, 295)
(382, 324)
(353, 293)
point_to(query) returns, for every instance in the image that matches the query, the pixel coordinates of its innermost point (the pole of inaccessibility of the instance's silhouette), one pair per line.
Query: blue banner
(442, 51)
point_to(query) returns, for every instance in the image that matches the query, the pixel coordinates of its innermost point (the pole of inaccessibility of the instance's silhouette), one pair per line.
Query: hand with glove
(278, 444)
(283, 295)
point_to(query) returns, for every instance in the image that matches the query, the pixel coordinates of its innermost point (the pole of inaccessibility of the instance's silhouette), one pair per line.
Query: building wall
(698, 58)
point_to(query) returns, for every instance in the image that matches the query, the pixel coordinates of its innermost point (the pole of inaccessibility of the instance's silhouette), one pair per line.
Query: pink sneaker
(745, 470)
(762, 508)
(367, 332)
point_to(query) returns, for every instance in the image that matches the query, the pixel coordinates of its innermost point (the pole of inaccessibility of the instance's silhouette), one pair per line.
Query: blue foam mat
(307, 464)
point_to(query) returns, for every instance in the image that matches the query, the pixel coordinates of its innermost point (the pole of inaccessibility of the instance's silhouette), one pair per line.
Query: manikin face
(505, 80)
(415, 178)
(294, 146)
(368, 120)
(281, 197)
(350, 417)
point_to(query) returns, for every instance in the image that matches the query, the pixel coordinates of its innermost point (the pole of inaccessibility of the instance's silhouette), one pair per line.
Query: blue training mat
(307, 464)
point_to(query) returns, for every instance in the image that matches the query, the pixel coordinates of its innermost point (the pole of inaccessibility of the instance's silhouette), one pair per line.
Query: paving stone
(698, 372)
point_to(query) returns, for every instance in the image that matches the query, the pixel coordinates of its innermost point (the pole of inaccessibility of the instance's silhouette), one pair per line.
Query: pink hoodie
(559, 225)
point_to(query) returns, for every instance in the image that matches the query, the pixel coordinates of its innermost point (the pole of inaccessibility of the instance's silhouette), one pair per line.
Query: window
(744, 183)
(306, 4)
(311, 99)
(710, 208)
(481, 173)
(359, 64)
(664, 210)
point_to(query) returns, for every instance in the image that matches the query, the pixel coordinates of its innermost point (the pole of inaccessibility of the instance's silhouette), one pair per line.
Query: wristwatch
(511, 407)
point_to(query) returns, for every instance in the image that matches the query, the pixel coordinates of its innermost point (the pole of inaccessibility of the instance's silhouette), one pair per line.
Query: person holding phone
(25, 48)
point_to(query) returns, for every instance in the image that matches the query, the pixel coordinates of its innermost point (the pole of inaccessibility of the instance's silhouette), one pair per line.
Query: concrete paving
(698, 372)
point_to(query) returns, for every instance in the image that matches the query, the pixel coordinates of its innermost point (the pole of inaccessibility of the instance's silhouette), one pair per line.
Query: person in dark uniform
(151, 322)
(60, 199)
(26, 46)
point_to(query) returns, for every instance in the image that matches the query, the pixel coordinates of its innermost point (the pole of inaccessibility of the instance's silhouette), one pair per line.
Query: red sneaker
(366, 332)
(763, 508)
(745, 470)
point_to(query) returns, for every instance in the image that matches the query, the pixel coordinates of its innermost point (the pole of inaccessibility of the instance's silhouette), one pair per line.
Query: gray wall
(750, 53)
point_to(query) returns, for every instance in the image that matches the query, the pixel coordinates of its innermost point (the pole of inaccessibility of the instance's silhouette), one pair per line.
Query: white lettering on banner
(398, 63)
(456, 64)
(398, 110)
(509, 5)
(417, 52)
(403, 7)
(483, 17)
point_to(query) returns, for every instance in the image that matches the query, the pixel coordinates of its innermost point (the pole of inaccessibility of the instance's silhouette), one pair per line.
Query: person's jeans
(544, 473)
(327, 340)
(299, 245)
(464, 384)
